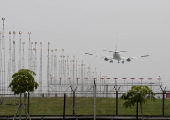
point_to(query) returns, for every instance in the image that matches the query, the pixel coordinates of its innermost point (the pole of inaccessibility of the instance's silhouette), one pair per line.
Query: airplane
(117, 56)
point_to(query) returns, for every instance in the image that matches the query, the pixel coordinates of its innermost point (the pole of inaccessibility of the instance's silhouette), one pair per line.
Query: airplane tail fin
(116, 45)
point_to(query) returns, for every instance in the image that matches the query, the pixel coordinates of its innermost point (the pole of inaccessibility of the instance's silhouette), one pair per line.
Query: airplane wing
(96, 55)
(144, 56)
(140, 56)
(114, 51)
(128, 58)
(108, 50)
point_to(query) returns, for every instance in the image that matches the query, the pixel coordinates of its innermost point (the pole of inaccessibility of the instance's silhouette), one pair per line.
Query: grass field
(84, 106)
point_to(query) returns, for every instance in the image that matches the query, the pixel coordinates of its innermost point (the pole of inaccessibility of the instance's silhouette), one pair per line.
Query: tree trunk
(137, 111)
(20, 108)
(141, 110)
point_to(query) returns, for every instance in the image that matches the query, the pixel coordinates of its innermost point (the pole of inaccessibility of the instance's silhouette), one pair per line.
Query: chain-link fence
(78, 103)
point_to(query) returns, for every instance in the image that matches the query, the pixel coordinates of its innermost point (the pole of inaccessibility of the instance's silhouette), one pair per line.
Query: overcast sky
(78, 26)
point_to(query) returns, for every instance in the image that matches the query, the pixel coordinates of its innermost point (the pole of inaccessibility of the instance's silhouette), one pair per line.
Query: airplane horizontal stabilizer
(145, 56)
(123, 51)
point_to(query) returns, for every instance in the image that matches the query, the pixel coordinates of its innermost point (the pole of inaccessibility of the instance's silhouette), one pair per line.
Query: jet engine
(106, 59)
(128, 59)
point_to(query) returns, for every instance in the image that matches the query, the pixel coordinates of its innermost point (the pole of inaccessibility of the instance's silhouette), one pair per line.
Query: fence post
(94, 100)
(64, 106)
(116, 102)
(25, 97)
(137, 111)
(163, 103)
(73, 102)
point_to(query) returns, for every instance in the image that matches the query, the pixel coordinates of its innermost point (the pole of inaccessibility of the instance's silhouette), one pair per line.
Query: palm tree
(138, 94)
(22, 82)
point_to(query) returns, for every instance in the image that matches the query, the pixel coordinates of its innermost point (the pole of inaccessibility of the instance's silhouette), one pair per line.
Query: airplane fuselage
(116, 56)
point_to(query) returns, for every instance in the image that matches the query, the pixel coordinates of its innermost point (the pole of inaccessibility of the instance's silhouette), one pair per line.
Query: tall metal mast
(85, 77)
(35, 64)
(29, 51)
(89, 74)
(1, 81)
(3, 56)
(76, 70)
(63, 71)
(35, 61)
(95, 74)
(67, 70)
(100, 84)
(13, 55)
(19, 61)
(84, 71)
(48, 68)
(73, 69)
(52, 66)
(31, 56)
(9, 61)
(79, 75)
(23, 56)
(79, 71)
(40, 72)
(55, 69)
(59, 71)
(82, 77)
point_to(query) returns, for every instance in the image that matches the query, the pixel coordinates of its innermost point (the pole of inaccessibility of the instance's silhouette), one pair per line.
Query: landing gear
(111, 61)
(123, 62)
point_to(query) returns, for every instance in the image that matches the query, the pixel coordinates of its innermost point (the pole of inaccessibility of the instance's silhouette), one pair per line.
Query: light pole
(107, 80)
(150, 82)
(107, 87)
(132, 80)
(69, 81)
(124, 80)
(141, 80)
(159, 79)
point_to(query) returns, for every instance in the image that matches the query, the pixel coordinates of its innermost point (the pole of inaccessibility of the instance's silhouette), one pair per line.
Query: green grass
(84, 106)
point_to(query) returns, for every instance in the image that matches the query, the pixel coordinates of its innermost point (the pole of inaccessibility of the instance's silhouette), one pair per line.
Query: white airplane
(116, 56)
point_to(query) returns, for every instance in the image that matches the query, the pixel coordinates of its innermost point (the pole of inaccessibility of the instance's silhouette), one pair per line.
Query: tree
(138, 94)
(22, 82)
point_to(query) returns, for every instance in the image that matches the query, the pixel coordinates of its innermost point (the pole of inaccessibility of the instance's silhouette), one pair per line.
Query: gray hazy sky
(79, 26)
